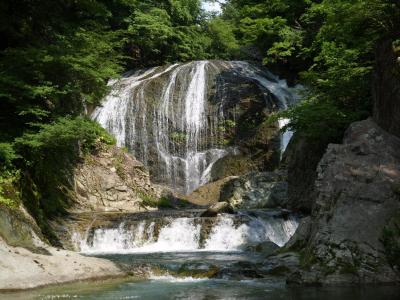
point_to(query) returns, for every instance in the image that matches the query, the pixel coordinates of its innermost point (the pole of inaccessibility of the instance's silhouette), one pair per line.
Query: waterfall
(286, 135)
(225, 233)
(170, 117)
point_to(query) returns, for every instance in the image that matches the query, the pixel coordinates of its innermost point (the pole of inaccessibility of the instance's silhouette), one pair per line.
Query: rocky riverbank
(23, 269)
(27, 261)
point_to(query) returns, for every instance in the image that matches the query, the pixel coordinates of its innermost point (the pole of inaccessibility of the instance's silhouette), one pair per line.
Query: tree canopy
(328, 45)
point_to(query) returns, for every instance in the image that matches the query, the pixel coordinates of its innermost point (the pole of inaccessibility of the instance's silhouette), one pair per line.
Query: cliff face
(112, 180)
(357, 195)
(386, 88)
(302, 157)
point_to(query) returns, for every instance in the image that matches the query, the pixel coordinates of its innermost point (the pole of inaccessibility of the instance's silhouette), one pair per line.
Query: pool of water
(168, 283)
(166, 287)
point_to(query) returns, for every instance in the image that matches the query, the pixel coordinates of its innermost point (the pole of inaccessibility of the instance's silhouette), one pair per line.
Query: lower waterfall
(224, 233)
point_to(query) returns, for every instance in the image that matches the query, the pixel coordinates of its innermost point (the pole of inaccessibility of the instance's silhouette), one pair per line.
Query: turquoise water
(226, 286)
(170, 288)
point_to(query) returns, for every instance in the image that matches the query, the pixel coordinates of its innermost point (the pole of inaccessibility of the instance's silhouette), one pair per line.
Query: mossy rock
(198, 271)
(391, 241)
(16, 230)
(231, 165)
(279, 271)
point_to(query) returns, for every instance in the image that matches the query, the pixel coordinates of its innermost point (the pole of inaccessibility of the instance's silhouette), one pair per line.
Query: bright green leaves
(320, 120)
(223, 42)
(152, 31)
(331, 43)
(168, 32)
(7, 156)
(288, 46)
(63, 134)
(184, 12)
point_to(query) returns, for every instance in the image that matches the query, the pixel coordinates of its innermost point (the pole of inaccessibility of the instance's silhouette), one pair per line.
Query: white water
(286, 135)
(184, 234)
(164, 116)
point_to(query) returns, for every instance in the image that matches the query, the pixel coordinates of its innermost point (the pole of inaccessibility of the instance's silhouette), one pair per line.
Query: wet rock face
(179, 120)
(356, 195)
(112, 180)
(18, 229)
(218, 208)
(256, 190)
(302, 157)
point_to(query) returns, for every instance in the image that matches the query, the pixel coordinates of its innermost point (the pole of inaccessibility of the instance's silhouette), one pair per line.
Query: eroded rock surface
(27, 261)
(112, 180)
(357, 193)
(256, 190)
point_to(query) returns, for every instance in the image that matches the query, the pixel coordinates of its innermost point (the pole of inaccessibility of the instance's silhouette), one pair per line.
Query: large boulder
(256, 190)
(207, 194)
(357, 194)
(218, 208)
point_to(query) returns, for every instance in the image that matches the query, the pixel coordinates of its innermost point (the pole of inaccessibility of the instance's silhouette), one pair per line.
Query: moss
(162, 202)
(230, 123)
(178, 137)
(17, 230)
(279, 271)
(9, 194)
(391, 241)
(396, 188)
(118, 163)
(348, 269)
(307, 259)
(196, 273)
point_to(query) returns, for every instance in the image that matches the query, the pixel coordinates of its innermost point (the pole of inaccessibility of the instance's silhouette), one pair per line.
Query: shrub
(7, 155)
(9, 195)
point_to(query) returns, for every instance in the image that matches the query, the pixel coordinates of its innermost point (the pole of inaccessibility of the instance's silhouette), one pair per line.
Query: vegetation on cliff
(330, 44)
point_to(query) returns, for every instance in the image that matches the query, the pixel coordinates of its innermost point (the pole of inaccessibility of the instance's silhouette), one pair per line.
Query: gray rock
(265, 248)
(256, 190)
(111, 180)
(218, 208)
(355, 199)
(301, 159)
(281, 264)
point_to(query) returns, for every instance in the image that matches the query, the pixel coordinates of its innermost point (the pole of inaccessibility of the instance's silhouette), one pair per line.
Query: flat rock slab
(22, 269)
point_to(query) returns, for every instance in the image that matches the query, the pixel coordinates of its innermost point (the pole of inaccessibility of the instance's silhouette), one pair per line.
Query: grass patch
(162, 202)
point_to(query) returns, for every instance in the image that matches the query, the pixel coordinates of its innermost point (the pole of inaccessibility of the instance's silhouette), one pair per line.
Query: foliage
(9, 195)
(329, 43)
(7, 156)
(223, 42)
(391, 241)
(178, 137)
(50, 153)
(151, 201)
(319, 121)
(170, 31)
(162, 202)
(63, 135)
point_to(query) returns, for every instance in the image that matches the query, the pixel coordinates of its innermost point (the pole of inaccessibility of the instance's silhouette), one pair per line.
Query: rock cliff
(357, 195)
(111, 179)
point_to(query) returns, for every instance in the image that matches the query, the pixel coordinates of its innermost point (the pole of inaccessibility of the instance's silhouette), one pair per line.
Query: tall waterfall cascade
(172, 118)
